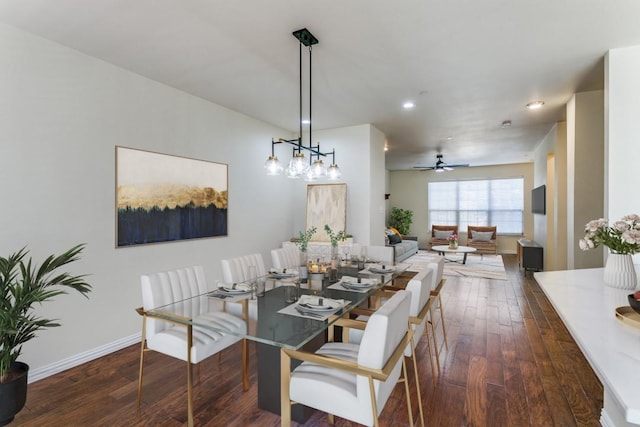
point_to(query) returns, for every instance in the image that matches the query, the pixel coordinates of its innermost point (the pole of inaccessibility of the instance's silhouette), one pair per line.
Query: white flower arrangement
(623, 237)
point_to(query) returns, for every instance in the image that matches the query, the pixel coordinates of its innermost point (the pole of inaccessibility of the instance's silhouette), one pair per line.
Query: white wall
(585, 152)
(622, 132)
(550, 168)
(409, 191)
(360, 156)
(61, 115)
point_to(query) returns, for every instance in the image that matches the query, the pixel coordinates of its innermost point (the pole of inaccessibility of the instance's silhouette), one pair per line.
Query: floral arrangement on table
(305, 237)
(622, 237)
(453, 240)
(334, 237)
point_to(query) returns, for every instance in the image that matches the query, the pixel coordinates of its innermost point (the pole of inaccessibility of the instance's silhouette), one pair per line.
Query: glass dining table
(277, 319)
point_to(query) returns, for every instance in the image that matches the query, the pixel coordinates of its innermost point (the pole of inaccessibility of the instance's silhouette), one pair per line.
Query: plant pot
(619, 272)
(13, 393)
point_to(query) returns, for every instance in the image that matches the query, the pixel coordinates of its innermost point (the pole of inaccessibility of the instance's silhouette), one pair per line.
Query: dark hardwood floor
(510, 362)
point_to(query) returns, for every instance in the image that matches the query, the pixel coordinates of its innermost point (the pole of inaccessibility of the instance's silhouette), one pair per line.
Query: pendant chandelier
(299, 167)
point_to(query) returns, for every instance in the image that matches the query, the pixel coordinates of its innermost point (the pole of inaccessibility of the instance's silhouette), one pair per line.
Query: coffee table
(442, 249)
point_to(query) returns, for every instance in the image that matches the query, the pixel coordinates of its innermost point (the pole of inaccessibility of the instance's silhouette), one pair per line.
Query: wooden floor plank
(510, 362)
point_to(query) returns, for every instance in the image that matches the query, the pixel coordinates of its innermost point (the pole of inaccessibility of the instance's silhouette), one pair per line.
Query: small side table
(530, 255)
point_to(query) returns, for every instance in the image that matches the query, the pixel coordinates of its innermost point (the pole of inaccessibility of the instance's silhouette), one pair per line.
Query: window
(497, 202)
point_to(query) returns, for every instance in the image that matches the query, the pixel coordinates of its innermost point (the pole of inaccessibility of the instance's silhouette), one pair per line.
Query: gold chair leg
(285, 400)
(374, 406)
(189, 379)
(406, 390)
(429, 349)
(444, 329)
(332, 419)
(435, 341)
(417, 379)
(142, 351)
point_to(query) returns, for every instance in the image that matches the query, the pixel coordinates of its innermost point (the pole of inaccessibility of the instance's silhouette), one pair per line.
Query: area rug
(484, 266)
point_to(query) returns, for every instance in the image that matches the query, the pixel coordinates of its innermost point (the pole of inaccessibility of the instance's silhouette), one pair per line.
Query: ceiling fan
(441, 166)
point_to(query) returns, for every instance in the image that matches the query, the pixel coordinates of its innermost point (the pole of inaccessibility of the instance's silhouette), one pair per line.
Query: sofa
(403, 247)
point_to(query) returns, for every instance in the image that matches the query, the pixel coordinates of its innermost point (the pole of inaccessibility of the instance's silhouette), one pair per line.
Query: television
(538, 200)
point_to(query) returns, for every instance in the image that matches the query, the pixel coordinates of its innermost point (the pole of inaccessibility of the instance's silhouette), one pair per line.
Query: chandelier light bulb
(334, 173)
(297, 166)
(318, 168)
(273, 166)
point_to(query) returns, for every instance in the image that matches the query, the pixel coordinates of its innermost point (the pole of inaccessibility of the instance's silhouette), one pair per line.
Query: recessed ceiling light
(534, 105)
(506, 123)
(408, 105)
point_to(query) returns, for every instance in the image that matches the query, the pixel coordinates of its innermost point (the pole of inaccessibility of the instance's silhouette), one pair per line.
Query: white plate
(327, 305)
(355, 284)
(380, 270)
(230, 290)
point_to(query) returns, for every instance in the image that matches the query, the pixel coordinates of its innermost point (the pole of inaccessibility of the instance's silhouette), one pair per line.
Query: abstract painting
(326, 204)
(161, 198)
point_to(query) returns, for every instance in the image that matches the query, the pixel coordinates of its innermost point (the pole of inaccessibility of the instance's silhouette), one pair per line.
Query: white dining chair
(352, 381)
(192, 344)
(236, 270)
(421, 302)
(436, 264)
(379, 253)
(286, 257)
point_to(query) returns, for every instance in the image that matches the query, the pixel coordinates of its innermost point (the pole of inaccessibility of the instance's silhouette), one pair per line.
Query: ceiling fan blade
(465, 165)
(424, 168)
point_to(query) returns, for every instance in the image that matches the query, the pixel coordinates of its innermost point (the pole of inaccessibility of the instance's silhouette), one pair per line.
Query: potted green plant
(304, 238)
(401, 220)
(303, 243)
(22, 285)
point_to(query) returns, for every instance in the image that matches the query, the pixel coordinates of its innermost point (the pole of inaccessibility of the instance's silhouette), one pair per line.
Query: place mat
(378, 268)
(227, 292)
(296, 310)
(284, 273)
(350, 284)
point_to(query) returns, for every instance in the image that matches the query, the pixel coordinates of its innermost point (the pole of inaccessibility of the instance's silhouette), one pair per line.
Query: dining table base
(268, 361)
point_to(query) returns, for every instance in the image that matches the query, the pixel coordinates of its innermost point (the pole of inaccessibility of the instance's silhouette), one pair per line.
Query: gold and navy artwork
(162, 198)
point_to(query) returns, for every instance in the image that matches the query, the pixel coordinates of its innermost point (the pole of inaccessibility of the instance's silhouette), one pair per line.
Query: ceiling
(468, 65)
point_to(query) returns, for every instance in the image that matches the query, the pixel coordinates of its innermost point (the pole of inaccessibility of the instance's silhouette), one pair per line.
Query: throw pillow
(394, 239)
(389, 232)
(395, 231)
(481, 236)
(442, 234)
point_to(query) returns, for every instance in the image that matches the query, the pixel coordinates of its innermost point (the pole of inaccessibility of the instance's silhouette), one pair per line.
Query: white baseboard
(79, 359)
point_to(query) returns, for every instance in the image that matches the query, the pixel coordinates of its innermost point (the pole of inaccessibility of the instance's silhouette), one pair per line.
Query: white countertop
(587, 308)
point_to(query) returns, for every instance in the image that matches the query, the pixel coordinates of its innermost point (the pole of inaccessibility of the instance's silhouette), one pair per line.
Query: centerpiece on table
(303, 243)
(453, 241)
(334, 238)
(623, 240)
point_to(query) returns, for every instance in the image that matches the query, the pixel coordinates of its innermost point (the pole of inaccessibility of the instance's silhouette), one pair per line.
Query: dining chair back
(285, 257)
(353, 381)
(236, 270)
(189, 343)
(380, 253)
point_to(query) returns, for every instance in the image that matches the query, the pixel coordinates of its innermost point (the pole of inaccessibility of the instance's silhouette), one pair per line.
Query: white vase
(619, 272)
